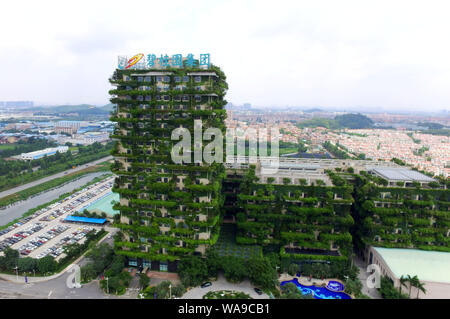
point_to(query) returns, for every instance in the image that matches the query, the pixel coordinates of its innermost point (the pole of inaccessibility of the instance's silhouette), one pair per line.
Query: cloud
(325, 53)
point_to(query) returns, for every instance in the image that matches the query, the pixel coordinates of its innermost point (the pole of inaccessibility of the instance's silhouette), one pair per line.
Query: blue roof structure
(79, 219)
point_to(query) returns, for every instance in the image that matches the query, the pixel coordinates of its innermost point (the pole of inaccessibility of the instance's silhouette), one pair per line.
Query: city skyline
(328, 54)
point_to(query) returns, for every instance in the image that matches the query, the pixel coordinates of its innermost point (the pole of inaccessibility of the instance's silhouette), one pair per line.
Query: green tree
(293, 269)
(46, 264)
(291, 291)
(26, 264)
(262, 273)
(234, 269)
(403, 281)
(192, 270)
(144, 280)
(420, 287)
(213, 262)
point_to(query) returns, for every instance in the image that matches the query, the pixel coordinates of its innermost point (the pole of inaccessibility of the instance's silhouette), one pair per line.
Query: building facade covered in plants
(167, 209)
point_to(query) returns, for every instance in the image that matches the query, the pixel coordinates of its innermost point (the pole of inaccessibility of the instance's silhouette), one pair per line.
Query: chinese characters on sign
(141, 61)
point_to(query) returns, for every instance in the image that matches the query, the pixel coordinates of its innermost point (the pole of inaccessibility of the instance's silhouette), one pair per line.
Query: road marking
(49, 294)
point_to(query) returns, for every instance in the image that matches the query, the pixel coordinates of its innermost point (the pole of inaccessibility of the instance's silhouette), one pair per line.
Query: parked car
(258, 291)
(206, 284)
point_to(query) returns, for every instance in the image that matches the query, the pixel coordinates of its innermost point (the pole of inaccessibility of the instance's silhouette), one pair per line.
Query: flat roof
(401, 174)
(427, 265)
(79, 219)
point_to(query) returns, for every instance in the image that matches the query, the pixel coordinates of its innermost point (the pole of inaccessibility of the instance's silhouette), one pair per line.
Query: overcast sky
(386, 54)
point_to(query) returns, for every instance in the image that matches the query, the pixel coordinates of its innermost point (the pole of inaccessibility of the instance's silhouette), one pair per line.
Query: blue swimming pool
(318, 292)
(335, 286)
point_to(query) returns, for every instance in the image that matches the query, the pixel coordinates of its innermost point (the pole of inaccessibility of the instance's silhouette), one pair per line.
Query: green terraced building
(167, 210)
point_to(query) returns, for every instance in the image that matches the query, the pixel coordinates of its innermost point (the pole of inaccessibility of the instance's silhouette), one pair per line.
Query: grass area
(288, 150)
(33, 210)
(26, 193)
(7, 146)
(226, 244)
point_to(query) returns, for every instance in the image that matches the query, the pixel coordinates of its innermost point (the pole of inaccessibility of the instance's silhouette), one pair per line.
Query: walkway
(222, 284)
(362, 276)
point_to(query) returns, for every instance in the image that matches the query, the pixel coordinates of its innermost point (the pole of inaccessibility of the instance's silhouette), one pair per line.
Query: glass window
(140, 79)
(163, 266)
(148, 79)
(159, 79)
(132, 262)
(177, 79)
(198, 79)
(185, 79)
(166, 79)
(146, 263)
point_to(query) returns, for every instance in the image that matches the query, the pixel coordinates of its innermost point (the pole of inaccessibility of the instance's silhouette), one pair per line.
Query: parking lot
(45, 233)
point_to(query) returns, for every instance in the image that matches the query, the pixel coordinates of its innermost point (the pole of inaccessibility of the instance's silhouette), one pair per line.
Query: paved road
(222, 284)
(48, 178)
(19, 208)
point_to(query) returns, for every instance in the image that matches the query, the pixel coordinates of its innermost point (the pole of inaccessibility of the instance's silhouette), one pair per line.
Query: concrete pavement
(222, 284)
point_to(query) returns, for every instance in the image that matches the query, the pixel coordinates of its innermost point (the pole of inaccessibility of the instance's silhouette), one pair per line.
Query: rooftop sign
(150, 61)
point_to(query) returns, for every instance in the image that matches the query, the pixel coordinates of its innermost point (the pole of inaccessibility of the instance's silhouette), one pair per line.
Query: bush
(47, 264)
(388, 291)
(88, 273)
(291, 291)
(353, 287)
(193, 271)
(144, 280)
(262, 273)
(234, 269)
(213, 262)
(117, 284)
(293, 269)
(178, 290)
(26, 264)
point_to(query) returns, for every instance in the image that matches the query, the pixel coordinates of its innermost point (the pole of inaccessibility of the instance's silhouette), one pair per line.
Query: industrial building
(41, 153)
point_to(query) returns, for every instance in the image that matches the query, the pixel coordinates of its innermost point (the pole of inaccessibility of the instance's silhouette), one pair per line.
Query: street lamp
(17, 273)
(170, 291)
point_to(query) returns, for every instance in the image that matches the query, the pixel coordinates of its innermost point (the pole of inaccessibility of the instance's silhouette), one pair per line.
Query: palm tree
(403, 281)
(420, 287)
(410, 280)
(413, 282)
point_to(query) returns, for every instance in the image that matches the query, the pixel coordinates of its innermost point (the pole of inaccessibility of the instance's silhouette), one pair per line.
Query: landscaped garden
(226, 244)
(226, 294)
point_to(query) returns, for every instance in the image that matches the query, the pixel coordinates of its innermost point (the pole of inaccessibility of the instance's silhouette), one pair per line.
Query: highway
(48, 178)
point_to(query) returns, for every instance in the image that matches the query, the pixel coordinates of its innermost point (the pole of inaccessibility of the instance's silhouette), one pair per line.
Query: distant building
(17, 103)
(41, 153)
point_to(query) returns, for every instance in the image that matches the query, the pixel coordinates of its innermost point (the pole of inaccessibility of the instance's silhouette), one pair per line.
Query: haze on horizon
(354, 54)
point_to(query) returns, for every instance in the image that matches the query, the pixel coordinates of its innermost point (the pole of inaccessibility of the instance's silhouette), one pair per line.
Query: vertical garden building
(167, 209)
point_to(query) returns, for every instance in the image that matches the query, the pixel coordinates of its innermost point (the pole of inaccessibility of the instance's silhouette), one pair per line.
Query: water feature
(319, 292)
